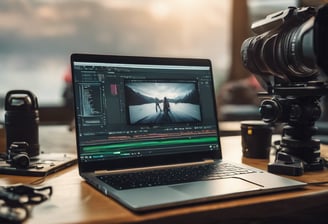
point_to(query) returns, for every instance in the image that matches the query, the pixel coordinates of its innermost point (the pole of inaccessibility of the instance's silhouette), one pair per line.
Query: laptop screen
(137, 107)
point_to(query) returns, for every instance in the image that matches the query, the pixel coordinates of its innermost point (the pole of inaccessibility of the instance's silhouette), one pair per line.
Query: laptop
(147, 133)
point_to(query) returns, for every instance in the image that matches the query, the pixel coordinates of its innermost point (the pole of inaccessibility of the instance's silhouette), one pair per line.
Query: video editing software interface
(134, 110)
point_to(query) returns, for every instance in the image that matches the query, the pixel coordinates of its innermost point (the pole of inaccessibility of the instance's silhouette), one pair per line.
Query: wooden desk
(74, 201)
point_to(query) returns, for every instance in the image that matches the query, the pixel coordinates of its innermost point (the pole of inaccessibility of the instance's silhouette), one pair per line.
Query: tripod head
(298, 107)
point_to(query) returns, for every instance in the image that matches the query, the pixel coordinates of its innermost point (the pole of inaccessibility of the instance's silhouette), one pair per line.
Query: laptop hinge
(154, 167)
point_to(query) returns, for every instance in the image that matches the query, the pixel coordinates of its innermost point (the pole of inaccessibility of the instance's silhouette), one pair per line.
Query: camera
(288, 56)
(290, 47)
(17, 155)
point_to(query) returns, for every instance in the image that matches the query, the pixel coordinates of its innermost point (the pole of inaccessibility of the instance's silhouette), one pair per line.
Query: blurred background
(38, 36)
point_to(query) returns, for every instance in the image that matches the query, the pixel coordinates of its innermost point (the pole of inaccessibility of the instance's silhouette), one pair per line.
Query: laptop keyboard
(176, 175)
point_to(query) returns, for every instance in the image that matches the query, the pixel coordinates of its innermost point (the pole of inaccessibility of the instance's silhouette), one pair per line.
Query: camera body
(290, 47)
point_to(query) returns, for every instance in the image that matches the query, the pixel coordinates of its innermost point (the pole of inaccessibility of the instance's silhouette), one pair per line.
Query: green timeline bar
(152, 143)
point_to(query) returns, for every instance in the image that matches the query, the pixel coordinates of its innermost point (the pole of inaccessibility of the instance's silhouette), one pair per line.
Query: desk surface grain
(74, 201)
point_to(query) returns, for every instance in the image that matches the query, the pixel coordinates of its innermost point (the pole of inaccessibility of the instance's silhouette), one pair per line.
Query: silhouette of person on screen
(166, 106)
(157, 107)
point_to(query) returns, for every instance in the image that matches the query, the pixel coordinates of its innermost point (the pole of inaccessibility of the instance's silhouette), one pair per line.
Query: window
(38, 36)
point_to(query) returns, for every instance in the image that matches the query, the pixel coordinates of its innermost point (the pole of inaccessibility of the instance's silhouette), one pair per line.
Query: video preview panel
(162, 102)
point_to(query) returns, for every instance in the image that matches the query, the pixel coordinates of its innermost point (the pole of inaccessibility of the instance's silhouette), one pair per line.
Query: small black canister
(22, 120)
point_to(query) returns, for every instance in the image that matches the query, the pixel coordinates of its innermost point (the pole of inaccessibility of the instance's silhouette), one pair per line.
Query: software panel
(127, 109)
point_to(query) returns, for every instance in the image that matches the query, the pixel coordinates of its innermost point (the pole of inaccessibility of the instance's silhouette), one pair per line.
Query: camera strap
(16, 200)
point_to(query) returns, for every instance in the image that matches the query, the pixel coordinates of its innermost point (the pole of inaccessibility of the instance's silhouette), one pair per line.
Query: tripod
(298, 107)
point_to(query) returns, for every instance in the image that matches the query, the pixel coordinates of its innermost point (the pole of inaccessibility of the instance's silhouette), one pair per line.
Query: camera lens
(296, 58)
(286, 52)
(22, 120)
(320, 37)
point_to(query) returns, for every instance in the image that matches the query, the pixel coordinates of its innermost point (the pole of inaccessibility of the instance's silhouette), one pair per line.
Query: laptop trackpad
(216, 187)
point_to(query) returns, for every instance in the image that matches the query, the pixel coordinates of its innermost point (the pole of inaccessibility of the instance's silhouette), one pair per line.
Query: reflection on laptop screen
(135, 110)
